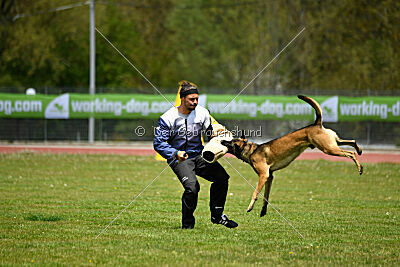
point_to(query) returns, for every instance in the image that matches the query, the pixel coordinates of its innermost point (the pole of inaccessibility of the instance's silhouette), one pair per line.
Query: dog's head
(236, 146)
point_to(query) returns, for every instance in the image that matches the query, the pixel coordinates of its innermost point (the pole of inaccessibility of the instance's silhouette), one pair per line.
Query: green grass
(53, 206)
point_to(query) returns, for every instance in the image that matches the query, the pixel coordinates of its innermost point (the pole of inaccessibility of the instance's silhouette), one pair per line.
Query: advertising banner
(119, 106)
(231, 107)
(269, 107)
(23, 106)
(369, 108)
(80, 106)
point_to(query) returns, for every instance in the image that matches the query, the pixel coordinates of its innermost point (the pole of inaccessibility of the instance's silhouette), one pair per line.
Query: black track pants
(213, 172)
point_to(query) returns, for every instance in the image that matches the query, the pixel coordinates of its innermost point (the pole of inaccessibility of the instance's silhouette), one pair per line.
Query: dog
(279, 153)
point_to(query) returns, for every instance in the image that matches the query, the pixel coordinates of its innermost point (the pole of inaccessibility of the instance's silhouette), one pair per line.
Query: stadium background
(368, 133)
(348, 49)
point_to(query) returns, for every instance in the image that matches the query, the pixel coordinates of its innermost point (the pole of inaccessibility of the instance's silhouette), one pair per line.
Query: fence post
(369, 125)
(92, 67)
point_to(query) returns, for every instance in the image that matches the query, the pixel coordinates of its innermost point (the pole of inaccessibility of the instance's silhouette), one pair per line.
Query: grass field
(53, 206)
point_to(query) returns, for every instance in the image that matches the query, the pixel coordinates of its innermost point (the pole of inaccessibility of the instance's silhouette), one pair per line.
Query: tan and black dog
(279, 153)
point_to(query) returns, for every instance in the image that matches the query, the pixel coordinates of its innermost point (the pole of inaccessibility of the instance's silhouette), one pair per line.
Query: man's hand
(182, 155)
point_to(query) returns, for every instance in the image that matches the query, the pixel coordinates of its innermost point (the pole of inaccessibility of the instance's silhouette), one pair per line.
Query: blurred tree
(353, 45)
(217, 44)
(38, 47)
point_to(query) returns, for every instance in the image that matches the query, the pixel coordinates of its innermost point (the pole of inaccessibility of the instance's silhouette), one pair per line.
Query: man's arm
(210, 126)
(161, 136)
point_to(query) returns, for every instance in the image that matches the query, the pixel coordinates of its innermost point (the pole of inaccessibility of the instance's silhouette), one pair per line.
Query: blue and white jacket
(177, 133)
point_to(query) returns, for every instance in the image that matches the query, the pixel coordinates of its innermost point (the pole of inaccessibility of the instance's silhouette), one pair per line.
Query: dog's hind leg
(263, 173)
(352, 143)
(266, 194)
(353, 156)
(336, 151)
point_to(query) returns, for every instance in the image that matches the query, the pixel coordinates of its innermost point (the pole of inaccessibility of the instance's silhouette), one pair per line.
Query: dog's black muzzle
(233, 147)
(228, 144)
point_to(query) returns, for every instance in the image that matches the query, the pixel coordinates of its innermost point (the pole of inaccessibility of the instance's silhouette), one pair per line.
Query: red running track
(370, 157)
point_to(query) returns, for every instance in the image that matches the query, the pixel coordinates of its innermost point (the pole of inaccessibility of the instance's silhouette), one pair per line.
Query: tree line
(347, 45)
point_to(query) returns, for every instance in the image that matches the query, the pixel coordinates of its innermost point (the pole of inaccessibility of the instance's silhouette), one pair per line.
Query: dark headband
(187, 91)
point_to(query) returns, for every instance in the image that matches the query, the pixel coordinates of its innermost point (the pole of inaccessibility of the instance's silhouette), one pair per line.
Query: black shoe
(224, 221)
(187, 226)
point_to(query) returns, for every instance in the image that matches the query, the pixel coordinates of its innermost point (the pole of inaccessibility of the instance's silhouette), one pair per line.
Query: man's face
(190, 101)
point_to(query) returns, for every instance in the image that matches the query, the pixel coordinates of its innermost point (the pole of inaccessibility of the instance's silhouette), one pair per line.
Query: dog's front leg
(263, 176)
(266, 195)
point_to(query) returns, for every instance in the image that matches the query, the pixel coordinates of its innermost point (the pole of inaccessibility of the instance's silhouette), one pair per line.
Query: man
(178, 139)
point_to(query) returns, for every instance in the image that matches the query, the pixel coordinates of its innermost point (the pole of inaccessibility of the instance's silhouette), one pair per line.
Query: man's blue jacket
(176, 132)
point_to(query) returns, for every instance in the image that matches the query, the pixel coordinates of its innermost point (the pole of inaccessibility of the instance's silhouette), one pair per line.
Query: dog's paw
(250, 208)
(361, 170)
(263, 212)
(251, 205)
(359, 152)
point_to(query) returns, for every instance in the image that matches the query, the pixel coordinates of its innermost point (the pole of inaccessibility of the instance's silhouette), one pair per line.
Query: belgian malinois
(279, 153)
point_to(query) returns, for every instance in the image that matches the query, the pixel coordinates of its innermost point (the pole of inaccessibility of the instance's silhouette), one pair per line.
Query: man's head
(189, 94)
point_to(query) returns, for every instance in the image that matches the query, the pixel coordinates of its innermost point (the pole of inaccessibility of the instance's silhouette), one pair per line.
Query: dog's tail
(315, 105)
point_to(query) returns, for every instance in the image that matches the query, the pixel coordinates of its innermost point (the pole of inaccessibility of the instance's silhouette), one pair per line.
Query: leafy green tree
(217, 44)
